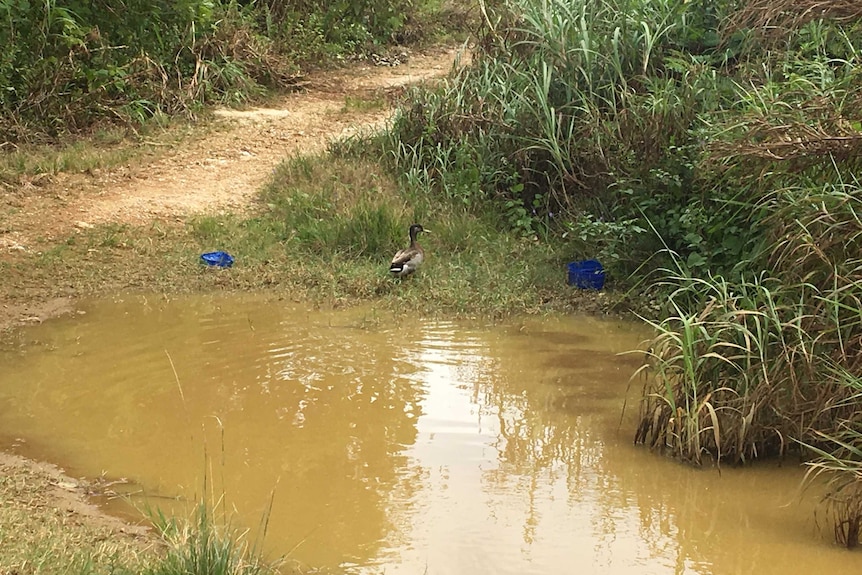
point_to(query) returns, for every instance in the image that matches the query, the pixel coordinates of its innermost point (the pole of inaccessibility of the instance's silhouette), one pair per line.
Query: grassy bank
(47, 528)
(41, 527)
(325, 230)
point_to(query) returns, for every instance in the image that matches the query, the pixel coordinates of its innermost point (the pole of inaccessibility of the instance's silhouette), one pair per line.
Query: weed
(206, 545)
(354, 104)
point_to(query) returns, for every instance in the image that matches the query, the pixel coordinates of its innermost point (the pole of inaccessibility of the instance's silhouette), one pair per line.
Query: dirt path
(222, 170)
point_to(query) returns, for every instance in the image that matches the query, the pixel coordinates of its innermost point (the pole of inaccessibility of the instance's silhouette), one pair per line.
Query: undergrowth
(69, 67)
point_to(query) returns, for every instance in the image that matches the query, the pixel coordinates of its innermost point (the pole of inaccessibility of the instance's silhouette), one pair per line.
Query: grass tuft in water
(205, 545)
(750, 368)
(716, 372)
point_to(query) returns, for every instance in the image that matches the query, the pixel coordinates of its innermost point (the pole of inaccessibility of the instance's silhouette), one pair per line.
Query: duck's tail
(400, 269)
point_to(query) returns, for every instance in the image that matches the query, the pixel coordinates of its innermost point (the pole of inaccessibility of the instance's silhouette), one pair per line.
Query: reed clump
(774, 363)
(206, 544)
(705, 157)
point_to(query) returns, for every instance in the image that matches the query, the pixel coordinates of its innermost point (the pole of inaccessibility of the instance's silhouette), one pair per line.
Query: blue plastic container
(217, 259)
(587, 274)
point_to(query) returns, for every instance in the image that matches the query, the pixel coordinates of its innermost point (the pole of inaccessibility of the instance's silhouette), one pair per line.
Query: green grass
(355, 104)
(331, 225)
(206, 544)
(105, 148)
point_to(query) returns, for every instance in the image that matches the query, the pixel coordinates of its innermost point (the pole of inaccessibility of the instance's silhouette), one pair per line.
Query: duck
(409, 259)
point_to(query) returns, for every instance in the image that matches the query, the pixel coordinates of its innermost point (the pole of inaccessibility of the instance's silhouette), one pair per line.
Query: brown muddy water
(381, 444)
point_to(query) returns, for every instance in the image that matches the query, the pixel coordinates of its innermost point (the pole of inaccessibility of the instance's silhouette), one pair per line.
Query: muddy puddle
(376, 443)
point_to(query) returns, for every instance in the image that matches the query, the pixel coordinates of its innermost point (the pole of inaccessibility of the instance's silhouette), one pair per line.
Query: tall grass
(753, 368)
(205, 545)
(715, 373)
(573, 113)
(634, 114)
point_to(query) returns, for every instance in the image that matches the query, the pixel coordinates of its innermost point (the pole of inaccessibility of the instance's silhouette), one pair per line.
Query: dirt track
(221, 170)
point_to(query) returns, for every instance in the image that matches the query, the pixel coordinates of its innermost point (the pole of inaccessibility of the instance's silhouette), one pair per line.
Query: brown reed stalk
(777, 17)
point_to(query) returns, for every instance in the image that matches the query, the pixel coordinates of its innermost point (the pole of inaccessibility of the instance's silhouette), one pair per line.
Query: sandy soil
(59, 491)
(219, 171)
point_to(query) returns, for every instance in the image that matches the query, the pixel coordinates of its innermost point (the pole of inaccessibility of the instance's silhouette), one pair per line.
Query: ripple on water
(396, 446)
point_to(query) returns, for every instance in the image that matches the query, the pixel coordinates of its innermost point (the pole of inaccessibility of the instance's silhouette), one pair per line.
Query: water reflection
(387, 446)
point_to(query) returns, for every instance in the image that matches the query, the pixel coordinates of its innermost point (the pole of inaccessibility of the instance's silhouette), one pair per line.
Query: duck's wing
(411, 257)
(404, 255)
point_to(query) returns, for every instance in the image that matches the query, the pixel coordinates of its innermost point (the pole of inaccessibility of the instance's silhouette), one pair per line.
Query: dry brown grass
(798, 142)
(775, 17)
(848, 519)
(793, 123)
